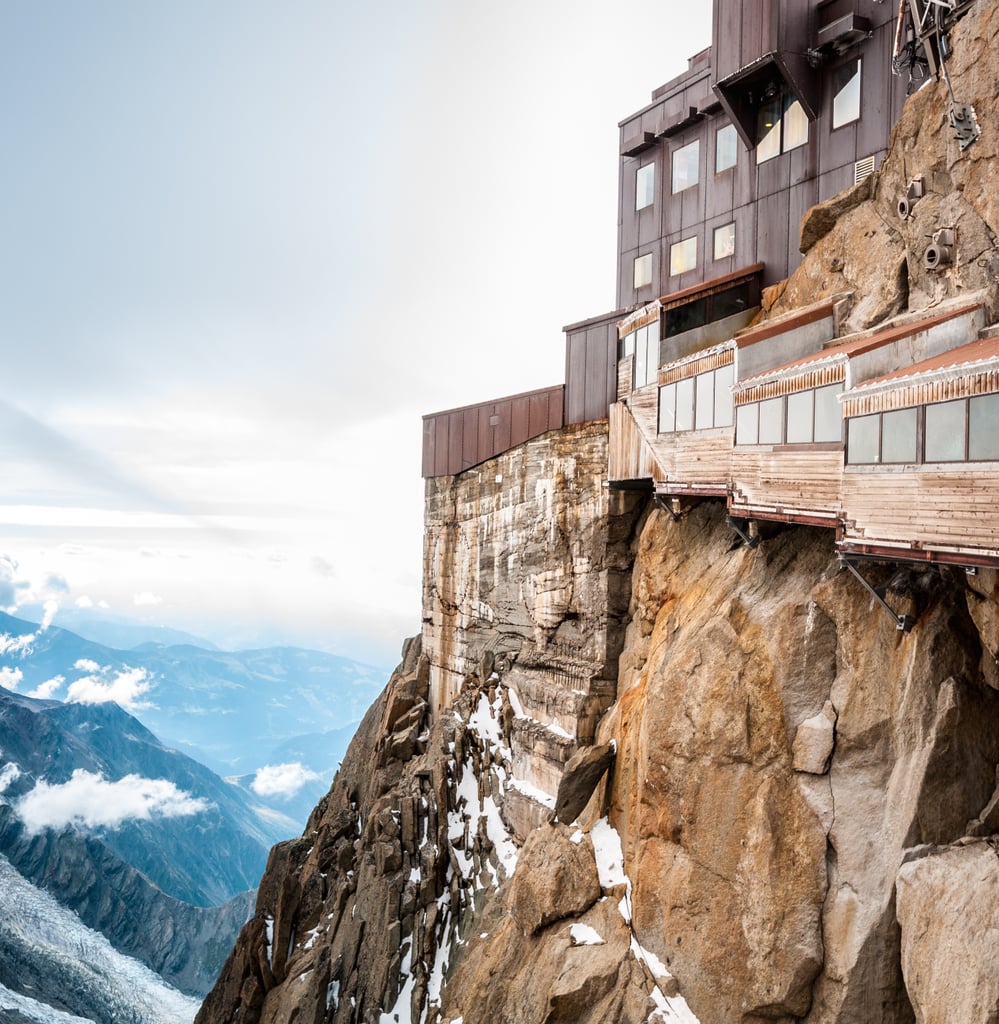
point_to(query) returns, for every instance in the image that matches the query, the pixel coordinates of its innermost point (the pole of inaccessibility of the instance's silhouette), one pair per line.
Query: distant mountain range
(232, 711)
(139, 840)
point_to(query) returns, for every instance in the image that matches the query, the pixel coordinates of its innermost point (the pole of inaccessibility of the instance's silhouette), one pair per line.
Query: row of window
(804, 417)
(965, 430)
(683, 255)
(697, 403)
(781, 125)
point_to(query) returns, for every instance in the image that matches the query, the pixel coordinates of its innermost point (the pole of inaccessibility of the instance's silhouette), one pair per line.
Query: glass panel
(945, 432)
(864, 433)
(725, 241)
(643, 270)
(723, 396)
(846, 93)
(730, 302)
(704, 410)
(983, 440)
(799, 417)
(747, 423)
(640, 354)
(828, 415)
(652, 357)
(667, 409)
(683, 256)
(645, 180)
(628, 345)
(768, 130)
(686, 317)
(685, 404)
(898, 436)
(686, 161)
(795, 126)
(772, 421)
(726, 151)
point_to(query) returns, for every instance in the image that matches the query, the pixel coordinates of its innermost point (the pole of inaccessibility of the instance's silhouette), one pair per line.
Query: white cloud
(125, 688)
(146, 598)
(50, 608)
(17, 645)
(86, 665)
(8, 774)
(282, 780)
(83, 601)
(10, 677)
(44, 691)
(89, 800)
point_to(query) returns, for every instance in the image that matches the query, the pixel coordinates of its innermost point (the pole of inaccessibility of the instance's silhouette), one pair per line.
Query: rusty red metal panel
(441, 446)
(455, 422)
(501, 424)
(470, 438)
(537, 414)
(520, 414)
(428, 446)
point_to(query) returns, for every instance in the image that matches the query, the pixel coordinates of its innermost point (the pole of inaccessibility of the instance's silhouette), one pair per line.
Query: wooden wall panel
(790, 478)
(628, 456)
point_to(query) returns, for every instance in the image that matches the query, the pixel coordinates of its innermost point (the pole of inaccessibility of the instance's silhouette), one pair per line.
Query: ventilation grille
(863, 169)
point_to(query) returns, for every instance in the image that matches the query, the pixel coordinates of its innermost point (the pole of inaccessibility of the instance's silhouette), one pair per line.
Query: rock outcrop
(797, 822)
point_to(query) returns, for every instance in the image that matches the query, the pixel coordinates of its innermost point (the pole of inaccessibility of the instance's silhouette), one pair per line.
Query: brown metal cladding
(458, 439)
(591, 368)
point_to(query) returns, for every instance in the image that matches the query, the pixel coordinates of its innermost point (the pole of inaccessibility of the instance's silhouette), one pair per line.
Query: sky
(247, 245)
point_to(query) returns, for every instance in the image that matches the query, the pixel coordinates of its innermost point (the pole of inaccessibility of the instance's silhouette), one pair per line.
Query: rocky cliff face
(783, 808)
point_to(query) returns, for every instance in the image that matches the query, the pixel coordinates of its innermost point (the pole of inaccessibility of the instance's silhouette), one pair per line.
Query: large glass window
(726, 148)
(723, 395)
(667, 409)
(772, 421)
(643, 270)
(686, 161)
(781, 125)
(724, 239)
(747, 423)
(685, 404)
(845, 81)
(864, 438)
(683, 256)
(983, 428)
(898, 436)
(644, 342)
(944, 432)
(828, 415)
(645, 184)
(800, 409)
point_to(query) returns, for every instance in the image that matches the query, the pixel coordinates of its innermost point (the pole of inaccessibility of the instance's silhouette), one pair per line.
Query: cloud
(89, 800)
(83, 601)
(282, 780)
(10, 677)
(11, 585)
(8, 774)
(44, 691)
(322, 567)
(86, 665)
(103, 685)
(146, 598)
(50, 608)
(16, 645)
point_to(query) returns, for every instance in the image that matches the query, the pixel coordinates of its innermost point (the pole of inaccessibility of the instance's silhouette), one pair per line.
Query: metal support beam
(903, 623)
(750, 536)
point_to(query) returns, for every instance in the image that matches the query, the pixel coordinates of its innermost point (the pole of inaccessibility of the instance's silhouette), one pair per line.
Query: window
(724, 241)
(726, 151)
(697, 403)
(898, 436)
(644, 343)
(781, 125)
(645, 182)
(845, 81)
(686, 161)
(945, 430)
(963, 430)
(683, 256)
(983, 428)
(803, 417)
(643, 270)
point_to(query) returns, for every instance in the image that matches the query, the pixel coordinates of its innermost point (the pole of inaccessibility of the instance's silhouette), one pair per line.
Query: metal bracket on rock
(903, 623)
